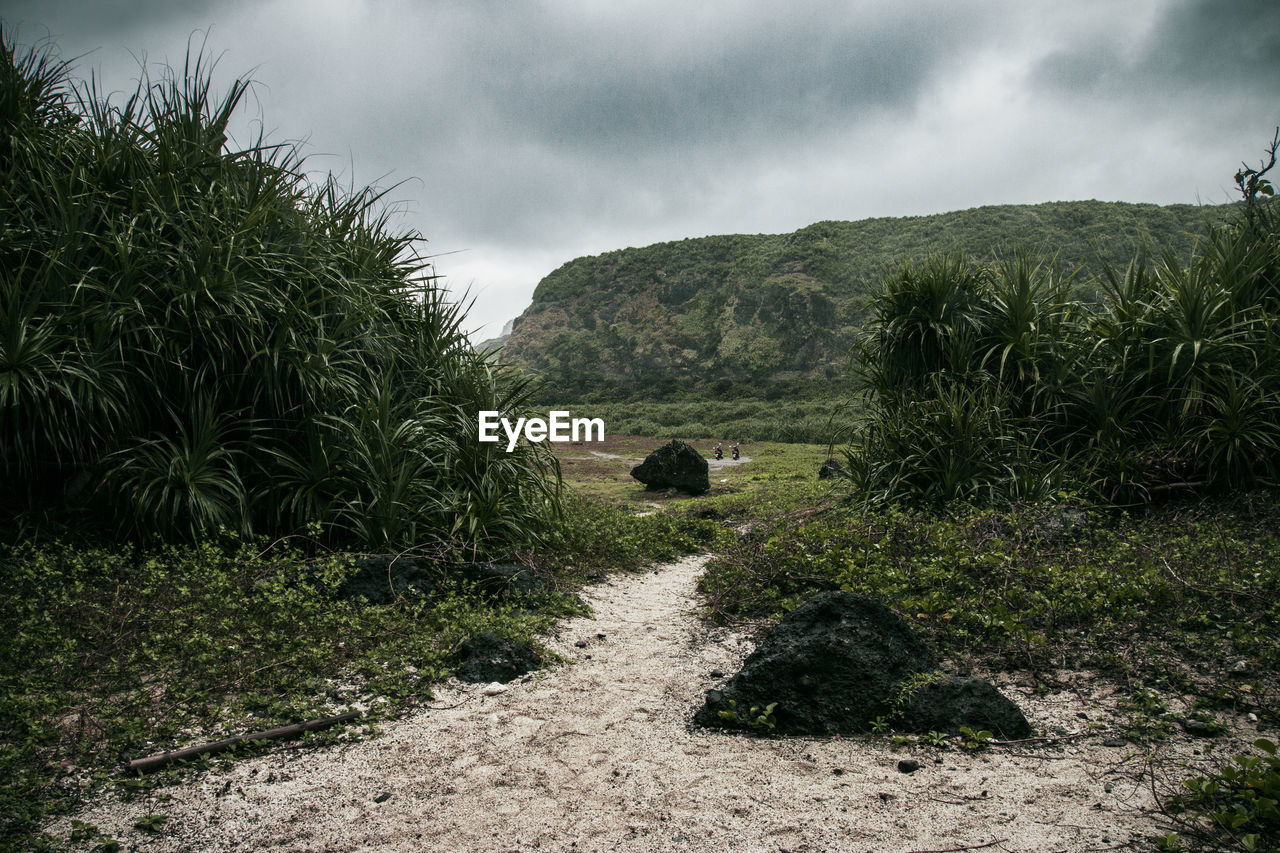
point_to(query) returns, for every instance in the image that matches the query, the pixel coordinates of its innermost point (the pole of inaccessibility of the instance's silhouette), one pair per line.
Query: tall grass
(988, 381)
(195, 336)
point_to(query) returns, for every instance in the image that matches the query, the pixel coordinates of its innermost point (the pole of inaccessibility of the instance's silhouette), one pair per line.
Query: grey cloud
(548, 129)
(1215, 47)
(1217, 43)
(1083, 71)
(106, 19)
(565, 122)
(628, 90)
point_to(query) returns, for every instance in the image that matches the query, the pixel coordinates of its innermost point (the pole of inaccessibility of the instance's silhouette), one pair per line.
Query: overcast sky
(528, 134)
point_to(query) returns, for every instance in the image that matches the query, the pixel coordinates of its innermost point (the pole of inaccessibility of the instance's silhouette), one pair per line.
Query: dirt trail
(596, 755)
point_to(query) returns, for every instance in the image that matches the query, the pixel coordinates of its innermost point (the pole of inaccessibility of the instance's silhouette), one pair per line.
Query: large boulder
(839, 662)
(832, 665)
(675, 465)
(949, 703)
(487, 657)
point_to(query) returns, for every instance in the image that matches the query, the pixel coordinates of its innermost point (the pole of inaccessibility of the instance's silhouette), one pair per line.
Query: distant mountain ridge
(784, 306)
(496, 343)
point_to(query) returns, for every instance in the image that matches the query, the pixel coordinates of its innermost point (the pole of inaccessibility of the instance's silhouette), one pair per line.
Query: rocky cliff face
(786, 306)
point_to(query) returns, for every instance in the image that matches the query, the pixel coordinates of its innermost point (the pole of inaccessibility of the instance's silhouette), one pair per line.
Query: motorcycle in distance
(735, 451)
(719, 453)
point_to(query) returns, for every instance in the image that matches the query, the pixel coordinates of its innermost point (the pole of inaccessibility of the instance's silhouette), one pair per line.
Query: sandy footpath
(596, 755)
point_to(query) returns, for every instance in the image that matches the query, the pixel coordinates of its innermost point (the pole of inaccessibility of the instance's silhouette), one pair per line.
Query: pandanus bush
(991, 382)
(196, 336)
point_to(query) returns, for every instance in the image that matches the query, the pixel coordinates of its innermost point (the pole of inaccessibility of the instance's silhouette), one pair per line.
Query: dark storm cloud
(612, 88)
(528, 133)
(108, 18)
(572, 117)
(1214, 48)
(524, 122)
(1217, 44)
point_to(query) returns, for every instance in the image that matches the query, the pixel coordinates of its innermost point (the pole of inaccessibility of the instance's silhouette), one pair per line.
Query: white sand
(597, 755)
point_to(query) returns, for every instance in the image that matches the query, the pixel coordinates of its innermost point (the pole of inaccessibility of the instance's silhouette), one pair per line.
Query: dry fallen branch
(155, 762)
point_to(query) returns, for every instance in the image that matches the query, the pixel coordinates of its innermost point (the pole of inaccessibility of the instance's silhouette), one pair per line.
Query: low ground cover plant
(1234, 807)
(1176, 596)
(110, 653)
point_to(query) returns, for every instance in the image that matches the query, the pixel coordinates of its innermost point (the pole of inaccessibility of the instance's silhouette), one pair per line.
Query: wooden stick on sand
(155, 762)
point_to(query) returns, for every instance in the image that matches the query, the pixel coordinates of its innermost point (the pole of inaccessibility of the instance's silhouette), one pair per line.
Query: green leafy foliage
(936, 739)
(111, 654)
(596, 536)
(1159, 598)
(1236, 807)
(816, 419)
(974, 740)
(151, 822)
(757, 719)
(988, 382)
(195, 337)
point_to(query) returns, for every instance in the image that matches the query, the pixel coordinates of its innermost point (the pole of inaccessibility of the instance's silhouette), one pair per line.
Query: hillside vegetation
(991, 382)
(784, 306)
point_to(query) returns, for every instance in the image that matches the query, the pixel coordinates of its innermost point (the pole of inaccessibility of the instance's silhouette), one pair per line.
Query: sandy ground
(597, 755)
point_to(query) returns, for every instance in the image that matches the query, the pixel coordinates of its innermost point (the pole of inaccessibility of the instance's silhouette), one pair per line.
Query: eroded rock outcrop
(832, 665)
(840, 662)
(675, 465)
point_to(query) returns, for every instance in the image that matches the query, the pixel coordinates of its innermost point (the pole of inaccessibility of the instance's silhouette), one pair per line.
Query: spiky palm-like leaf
(209, 338)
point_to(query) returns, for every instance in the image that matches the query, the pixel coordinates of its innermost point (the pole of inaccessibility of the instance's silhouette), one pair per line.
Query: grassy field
(602, 470)
(817, 417)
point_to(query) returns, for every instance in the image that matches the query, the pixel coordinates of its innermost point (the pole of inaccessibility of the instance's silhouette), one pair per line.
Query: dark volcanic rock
(674, 466)
(383, 579)
(832, 665)
(837, 662)
(832, 469)
(949, 703)
(487, 657)
(501, 580)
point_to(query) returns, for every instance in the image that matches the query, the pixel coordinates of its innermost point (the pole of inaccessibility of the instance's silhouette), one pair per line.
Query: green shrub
(1158, 595)
(195, 337)
(987, 382)
(597, 537)
(1235, 807)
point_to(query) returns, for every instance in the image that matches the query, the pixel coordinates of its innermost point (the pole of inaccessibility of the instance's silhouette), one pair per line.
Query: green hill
(785, 306)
